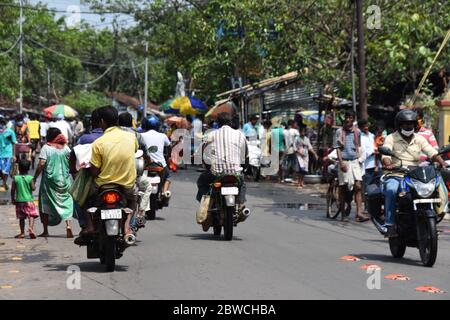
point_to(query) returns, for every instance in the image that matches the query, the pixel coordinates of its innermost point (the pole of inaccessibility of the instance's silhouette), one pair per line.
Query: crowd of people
(113, 140)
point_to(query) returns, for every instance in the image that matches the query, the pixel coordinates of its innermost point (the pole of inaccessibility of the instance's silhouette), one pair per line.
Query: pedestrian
(55, 202)
(348, 143)
(63, 126)
(276, 144)
(7, 151)
(22, 189)
(250, 130)
(370, 168)
(78, 129)
(290, 157)
(43, 127)
(303, 147)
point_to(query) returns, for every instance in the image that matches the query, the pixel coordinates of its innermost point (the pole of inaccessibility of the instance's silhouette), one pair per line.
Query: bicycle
(332, 197)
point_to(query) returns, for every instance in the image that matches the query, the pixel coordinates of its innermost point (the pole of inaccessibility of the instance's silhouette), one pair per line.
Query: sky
(94, 20)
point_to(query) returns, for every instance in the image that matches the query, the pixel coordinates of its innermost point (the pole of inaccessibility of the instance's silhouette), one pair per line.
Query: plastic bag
(81, 186)
(202, 211)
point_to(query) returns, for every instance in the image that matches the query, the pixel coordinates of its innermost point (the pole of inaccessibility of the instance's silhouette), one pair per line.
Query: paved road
(285, 250)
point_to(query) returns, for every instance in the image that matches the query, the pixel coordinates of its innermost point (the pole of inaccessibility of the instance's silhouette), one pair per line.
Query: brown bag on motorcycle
(202, 211)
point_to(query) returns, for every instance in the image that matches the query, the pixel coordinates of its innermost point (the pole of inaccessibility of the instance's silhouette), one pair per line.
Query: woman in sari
(303, 148)
(55, 202)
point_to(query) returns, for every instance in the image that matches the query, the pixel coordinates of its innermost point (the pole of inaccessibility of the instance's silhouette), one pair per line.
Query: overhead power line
(12, 47)
(89, 82)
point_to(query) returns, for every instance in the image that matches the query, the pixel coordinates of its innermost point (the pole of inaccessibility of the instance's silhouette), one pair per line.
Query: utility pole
(362, 114)
(352, 43)
(21, 59)
(146, 80)
(48, 85)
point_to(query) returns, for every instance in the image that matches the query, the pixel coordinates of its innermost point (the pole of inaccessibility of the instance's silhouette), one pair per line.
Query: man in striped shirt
(225, 152)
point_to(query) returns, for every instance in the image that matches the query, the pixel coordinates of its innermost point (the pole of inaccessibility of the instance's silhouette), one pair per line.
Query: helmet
(151, 123)
(406, 115)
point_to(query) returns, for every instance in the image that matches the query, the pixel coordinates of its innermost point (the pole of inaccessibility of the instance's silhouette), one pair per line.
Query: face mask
(20, 123)
(407, 133)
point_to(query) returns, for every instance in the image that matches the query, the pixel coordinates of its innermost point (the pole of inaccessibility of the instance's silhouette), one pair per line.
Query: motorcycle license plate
(155, 180)
(111, 214)
(230, 191)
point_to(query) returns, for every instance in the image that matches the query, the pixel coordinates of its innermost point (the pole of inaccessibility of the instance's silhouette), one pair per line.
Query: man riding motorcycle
(113, 163)
(152, 137)
(407, 146)
(224, 152)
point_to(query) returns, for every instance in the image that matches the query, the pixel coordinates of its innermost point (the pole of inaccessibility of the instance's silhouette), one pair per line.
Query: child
(22, 196)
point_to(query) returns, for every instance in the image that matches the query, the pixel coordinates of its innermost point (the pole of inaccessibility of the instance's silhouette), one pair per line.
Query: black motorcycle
(224, 205)
(109, 216)
(415, 219)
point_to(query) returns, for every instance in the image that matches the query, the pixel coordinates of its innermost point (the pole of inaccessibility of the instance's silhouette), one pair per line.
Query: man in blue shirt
(249, 128)
(7, 151)
(96, 132)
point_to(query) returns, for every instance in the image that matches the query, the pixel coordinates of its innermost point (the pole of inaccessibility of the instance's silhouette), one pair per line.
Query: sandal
(32, 235)
(43, 235)
(362, 219)
(19, 236)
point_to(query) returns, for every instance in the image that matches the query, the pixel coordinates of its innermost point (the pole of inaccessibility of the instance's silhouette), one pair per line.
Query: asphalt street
(286, 249)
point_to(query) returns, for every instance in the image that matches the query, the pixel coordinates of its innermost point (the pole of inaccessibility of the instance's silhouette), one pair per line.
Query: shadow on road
(206, 236)
(87, 266)
(388, 258)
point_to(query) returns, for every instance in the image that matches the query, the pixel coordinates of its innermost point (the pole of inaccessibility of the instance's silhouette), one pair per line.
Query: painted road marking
(429, 289)
(350, 258)
(397, 277)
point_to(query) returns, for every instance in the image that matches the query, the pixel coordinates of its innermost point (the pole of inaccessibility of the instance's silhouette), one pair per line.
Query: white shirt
(226, 150)
(64, 127)
(43, 127)
(154, 138)
(368, 144)
(290, 135)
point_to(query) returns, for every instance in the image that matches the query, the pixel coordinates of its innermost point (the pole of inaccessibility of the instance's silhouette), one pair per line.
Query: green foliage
(85, 102)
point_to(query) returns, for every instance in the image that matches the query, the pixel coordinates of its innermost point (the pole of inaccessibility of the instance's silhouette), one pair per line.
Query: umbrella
(184, 106)
(178, 121)
(223, 107)
(311, 117)
(66, 111)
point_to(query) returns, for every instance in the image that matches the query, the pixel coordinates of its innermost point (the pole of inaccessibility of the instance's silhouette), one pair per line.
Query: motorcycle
(416, 218)
(224, 205)
(158, 200)
(109, 216)
(138, 221)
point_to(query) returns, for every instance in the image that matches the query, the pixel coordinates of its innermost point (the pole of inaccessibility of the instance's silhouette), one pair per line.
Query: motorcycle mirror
(444, 149)
(153, 149)
(385, 151)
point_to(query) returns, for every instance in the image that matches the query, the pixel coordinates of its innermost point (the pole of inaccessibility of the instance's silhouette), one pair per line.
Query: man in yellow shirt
(35, 137)
(113, 160)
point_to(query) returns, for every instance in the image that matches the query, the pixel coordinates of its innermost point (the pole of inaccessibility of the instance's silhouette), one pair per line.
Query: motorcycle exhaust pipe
(167, 194)
(130, 239)
(246, 212)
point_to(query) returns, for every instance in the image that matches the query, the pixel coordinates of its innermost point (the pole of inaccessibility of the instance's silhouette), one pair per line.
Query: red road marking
(398, 277)
(350, 258)
(429, 289)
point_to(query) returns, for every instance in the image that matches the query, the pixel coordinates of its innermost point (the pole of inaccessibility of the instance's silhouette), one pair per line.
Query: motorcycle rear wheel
(110, 253)
(228, 227)
(151, 214)
(427, 239)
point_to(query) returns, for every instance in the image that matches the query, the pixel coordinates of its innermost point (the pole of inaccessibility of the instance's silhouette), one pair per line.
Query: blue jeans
(390, 190)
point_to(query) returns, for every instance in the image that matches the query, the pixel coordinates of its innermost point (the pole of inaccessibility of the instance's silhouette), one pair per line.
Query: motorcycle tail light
(111, 197)
(229, 180)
